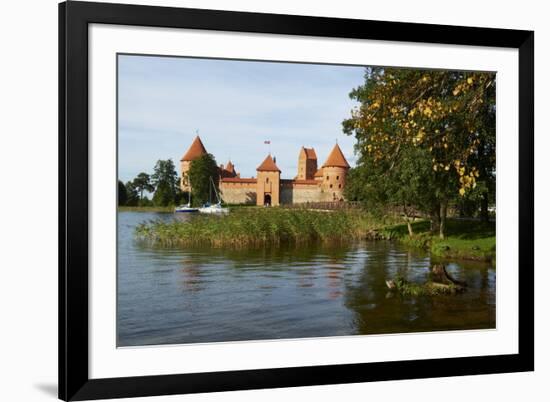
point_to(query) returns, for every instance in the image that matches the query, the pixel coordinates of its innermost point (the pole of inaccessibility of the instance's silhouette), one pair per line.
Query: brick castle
(311, 184)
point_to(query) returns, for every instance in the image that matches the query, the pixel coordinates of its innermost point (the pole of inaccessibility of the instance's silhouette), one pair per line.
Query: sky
(235, 106)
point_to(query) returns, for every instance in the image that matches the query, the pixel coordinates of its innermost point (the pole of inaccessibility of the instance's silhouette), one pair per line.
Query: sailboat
(186, 207)
(209, 208)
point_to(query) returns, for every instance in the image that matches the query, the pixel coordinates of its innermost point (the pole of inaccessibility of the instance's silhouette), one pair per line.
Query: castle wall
(299, 193)
(268, 184)
(238, 193)
(184, 170)
(333, 183)
(306, 168)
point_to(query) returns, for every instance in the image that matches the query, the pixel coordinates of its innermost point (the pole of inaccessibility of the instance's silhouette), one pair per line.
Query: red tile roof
(336, 158)
(319, 173)
(310, 153)
(196, 150)
(228, 170)
(230, 167)
(268, 165)
(237, 180)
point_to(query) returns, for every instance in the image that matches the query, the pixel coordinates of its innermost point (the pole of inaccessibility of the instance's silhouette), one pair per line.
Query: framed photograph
(257, 200)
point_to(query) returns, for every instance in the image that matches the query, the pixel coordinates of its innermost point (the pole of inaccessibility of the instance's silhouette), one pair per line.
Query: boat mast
(215, 191)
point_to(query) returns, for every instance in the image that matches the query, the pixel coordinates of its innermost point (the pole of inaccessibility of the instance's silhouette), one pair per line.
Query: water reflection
(210, 295)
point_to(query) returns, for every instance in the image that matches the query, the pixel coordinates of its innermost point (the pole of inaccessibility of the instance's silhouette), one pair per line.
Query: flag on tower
(267, 142)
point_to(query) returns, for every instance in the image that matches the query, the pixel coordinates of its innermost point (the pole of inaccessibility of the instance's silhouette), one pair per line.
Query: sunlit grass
(249, 227)
(466, 239)
(259, 226)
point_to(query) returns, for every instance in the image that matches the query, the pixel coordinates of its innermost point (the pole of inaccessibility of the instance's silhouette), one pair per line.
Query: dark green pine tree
(165, 181)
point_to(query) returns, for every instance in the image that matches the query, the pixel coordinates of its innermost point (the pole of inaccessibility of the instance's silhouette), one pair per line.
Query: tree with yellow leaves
(448, 115)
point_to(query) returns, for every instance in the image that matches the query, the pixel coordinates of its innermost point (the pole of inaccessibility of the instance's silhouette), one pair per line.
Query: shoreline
(466, 240)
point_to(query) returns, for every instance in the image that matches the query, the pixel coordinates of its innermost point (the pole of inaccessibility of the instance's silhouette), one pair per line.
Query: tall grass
(466, 239)
(260, 226)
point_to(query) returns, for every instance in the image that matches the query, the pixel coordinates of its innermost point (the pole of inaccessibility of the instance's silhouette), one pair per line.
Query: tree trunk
(407, 218)
(439, 274)
(435, 220)
(409, 226)
(443, 219)
(484, 213)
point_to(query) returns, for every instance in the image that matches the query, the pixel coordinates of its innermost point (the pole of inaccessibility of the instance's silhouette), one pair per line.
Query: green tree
(406, 187)
(122, 196)
(449, 115)
(145, 202)
(182, 197)
(165, 181)
(201, 172)
(132, 196)
(142, 183)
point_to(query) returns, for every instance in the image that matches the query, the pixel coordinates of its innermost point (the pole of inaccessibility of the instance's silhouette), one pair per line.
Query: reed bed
(248, 227)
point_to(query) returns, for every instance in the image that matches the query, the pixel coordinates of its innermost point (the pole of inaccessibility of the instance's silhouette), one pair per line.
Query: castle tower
(228, 170)
(307, 164)
(335, 170)
(195, 151)
(268, 182)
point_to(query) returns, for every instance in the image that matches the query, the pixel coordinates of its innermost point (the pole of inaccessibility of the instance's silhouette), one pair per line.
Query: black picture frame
(74, 381)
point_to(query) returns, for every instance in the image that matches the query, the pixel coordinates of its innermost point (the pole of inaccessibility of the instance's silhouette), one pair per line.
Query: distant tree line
(425, 143)
(164, 185)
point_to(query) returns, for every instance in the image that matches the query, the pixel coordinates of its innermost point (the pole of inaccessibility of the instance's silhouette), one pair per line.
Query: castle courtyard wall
(292, 193)
(238, 193)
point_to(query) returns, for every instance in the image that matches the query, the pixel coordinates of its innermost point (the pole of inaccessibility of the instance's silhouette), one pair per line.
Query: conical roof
(309, 153)
(268, 165)
(195, 151)
(336, 158)
(229, 167)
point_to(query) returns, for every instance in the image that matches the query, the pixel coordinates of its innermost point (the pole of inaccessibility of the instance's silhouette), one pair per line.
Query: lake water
(168, 296)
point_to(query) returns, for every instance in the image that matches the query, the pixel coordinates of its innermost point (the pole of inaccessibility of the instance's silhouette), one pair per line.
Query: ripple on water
(204, 295)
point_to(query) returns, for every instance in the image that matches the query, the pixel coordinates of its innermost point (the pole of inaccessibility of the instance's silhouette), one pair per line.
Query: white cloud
(235, 105)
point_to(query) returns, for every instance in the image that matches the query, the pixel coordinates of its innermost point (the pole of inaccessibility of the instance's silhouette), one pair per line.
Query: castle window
(327, 177)
(267, 179)
(331, 186)
(339, 186)
(337, 177)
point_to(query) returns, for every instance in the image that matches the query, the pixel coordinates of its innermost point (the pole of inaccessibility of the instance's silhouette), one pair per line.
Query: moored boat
(185, 208)
(217, 208)
(213, 209)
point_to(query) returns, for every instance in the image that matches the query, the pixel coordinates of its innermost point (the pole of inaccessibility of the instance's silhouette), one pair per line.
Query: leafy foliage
(142, 183)
(132, 196)
(201, 172)
(121, 191)
(428, 136)
(165, 181)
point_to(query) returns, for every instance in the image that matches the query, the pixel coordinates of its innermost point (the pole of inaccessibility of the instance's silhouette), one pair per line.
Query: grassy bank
(244, 227)
(465, 239)
(260, 226)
